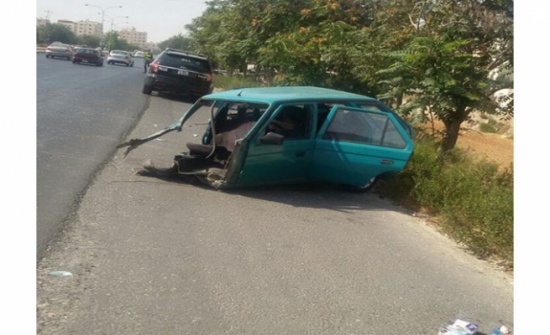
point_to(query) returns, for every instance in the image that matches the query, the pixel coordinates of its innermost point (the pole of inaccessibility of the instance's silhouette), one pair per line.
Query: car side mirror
(272, 138)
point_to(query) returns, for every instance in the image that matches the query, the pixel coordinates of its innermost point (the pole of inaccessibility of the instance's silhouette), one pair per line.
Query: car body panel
(59, 50)
(343, 156)
(120, 57)
(88, 56)
(301, 134)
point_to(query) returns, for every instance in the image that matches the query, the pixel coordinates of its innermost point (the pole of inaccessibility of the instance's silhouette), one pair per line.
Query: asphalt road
(82, 113)
(149, 256)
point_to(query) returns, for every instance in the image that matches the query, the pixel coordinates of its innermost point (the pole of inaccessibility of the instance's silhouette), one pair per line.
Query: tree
(177, 42)
(447, 62)
(53, 32)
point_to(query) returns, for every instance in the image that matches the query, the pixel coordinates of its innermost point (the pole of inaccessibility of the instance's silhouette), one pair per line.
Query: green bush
(226, 82)
(474, 199)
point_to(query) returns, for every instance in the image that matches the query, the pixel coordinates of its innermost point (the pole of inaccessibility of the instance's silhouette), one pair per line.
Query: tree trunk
(452, 127)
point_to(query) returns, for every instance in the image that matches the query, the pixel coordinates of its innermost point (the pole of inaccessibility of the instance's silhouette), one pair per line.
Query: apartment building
(134, 37)
(85, 27)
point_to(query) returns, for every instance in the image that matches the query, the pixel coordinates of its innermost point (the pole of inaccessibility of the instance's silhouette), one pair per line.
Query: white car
(139, 54)
(120, 57)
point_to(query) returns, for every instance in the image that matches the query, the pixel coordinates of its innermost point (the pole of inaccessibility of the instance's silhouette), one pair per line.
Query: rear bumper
(164, 84)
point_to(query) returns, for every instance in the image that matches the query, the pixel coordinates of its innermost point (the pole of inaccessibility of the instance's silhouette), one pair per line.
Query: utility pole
(48, 12)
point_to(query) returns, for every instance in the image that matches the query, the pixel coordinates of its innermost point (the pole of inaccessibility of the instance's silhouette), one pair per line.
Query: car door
(287, 161)
(355, 145)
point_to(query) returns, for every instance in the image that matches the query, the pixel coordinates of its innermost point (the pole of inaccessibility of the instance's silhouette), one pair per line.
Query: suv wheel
(147, 89)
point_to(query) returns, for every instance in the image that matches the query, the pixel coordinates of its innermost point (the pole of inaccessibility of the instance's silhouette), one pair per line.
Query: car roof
(286, 94)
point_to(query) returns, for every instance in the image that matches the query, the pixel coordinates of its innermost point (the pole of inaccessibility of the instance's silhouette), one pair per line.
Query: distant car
(275, 135)
(180, 72)
(139, 54)
(120, 57)
(88, 56)
(59, 50)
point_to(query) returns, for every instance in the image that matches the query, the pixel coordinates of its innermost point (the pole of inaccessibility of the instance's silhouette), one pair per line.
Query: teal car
(274, 135)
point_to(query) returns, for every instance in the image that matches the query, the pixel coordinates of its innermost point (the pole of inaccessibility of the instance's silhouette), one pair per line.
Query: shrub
(226, 82)
(473, 198)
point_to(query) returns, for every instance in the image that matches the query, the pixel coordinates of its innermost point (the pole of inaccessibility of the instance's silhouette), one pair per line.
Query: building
(69, 24)
(88, 27)
(134, 37)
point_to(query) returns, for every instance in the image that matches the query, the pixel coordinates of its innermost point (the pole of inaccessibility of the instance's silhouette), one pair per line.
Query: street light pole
(112, 26)
(102, 18)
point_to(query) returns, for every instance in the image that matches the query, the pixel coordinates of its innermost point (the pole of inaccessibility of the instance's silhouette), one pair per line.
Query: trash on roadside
(459, 327)
(500, 331)
(61, 274)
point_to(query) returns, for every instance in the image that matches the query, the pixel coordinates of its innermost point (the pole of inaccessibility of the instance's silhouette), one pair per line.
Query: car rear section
(120, 57)
(88, 56)
(179, 72)
(59, 51)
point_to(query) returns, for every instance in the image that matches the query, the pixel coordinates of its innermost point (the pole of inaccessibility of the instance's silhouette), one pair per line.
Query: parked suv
(180, 72)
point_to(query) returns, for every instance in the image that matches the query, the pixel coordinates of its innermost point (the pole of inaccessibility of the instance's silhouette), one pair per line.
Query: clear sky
(160, 19)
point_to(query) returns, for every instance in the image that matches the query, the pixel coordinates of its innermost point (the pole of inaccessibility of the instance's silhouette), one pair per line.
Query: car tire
(365, 188)
(147, 89)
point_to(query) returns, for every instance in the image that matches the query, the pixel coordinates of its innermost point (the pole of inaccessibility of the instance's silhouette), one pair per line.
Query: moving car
(179, 72)
(59, 50)
(88, 56)
(120, 57)
(272, 135)
(139, 54)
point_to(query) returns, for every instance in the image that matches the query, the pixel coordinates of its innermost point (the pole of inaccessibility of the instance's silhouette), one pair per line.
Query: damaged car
(273, 135)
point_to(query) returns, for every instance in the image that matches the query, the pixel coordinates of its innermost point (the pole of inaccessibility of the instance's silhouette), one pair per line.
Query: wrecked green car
(259, 136)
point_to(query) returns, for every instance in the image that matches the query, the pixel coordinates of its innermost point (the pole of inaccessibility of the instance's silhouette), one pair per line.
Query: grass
(472, 199)
(225, 82)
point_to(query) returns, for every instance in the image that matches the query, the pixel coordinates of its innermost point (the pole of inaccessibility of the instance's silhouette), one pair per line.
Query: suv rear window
(180, 61)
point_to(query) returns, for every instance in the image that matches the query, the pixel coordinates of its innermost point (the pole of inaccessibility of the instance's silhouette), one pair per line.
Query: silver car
(61, 50)
(120, 57)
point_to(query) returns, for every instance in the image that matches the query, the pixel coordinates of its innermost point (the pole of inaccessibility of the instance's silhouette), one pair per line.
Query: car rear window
(364, 127)
(185, 62)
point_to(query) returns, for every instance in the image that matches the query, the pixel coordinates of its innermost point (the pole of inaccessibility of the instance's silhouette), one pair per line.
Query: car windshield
(184, 62)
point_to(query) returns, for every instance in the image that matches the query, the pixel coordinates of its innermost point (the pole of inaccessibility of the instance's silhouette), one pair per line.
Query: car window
(293, 121)
(184, 62)
(363, 127)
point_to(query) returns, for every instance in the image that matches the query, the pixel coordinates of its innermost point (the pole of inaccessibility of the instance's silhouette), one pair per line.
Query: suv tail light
(153, 67)
(208, 76)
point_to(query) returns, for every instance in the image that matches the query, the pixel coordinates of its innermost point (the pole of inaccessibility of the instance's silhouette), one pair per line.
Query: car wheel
(364, 188)
(147, 89)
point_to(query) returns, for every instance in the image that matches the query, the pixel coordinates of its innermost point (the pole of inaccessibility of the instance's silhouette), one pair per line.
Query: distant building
(89, 28)
(134, 37)
(86, 27)
(69, 24)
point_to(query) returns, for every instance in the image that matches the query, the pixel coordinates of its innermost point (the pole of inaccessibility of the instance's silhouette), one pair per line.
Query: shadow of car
(88, 56)
(281, 135)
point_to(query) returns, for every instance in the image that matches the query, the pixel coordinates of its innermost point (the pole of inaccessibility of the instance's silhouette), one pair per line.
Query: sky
(160, 19)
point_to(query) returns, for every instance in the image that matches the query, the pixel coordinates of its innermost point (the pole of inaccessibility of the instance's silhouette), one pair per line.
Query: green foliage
(447, 57)
(53, 32)
(225, 82)
(112, 42)
(177, 42)
(473, 198)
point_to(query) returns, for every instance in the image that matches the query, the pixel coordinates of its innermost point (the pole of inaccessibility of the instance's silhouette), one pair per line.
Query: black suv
(180, 72)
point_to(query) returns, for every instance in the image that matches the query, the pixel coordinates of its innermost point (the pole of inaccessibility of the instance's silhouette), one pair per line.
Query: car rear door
(354, 145)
